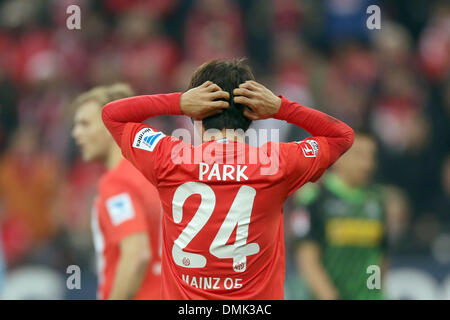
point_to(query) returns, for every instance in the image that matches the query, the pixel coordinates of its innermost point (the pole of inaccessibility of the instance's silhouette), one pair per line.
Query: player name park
(233, 156)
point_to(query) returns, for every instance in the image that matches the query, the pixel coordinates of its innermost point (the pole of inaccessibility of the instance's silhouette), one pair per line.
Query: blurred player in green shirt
(343, 229)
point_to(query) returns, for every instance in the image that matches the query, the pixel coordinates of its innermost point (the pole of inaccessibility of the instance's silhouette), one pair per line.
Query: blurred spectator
(293, 63)
(392, 46)
(29, 180)
(399, 116)
(148, 57)
(434, 45)
(287, 15)
(441, 202)
(75, 200)
(440, 208)
(214, 30)
(8, 112)
(348, 83)
(398, 216)
(346, 19)
(291, 77)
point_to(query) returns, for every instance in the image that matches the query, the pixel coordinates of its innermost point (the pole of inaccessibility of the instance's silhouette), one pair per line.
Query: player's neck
(114, 157)
(229, 134)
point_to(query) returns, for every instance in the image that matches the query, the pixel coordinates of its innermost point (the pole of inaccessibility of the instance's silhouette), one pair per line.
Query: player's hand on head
(204, 101)
(261, 102)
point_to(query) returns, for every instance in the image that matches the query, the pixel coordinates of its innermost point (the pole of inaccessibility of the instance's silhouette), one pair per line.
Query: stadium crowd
(394, 82)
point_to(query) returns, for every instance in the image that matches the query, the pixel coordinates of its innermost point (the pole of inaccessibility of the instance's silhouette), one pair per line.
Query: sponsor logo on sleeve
(147, 139)
(120, 208)
(310, 148)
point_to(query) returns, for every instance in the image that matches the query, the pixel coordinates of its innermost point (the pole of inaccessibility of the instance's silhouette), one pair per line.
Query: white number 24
(239, 214)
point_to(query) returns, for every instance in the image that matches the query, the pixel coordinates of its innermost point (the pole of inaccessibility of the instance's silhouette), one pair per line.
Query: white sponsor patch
(120, 208)
(147, 139)
(314, 145)
(310, 148)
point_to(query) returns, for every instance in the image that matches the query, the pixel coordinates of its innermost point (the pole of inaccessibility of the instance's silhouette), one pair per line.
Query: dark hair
(228, 75)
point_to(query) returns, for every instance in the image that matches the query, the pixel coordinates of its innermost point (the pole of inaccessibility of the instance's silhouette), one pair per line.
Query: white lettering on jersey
(221, 172)
(227, 173)
(214, 283)
(147, 139)
(120, 208)
(214, 172)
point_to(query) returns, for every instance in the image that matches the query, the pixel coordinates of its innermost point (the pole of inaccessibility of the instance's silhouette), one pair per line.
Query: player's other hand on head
(261, 102)
(204, 101)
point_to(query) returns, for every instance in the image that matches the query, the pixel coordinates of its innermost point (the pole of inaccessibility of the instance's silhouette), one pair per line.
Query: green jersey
(348, 224)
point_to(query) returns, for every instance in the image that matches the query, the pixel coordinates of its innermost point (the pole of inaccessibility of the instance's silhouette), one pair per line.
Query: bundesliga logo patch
(309, 148)
(147, 139)
(120, 208)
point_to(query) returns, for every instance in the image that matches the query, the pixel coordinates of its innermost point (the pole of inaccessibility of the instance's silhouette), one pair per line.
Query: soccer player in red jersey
(127, 211)
(222, 220)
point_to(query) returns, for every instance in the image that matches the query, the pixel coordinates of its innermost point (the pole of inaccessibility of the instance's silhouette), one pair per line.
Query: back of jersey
(222, 202)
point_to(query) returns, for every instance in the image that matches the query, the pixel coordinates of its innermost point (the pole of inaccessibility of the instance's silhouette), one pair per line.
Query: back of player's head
(102, 95)
(359, 163)
(228, 75)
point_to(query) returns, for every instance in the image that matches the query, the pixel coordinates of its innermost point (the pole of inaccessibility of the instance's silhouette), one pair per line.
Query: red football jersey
(127, 204)
(223, 209)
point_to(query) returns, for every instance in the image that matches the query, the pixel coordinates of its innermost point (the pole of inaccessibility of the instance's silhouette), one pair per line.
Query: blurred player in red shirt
(222, 221)
(127, 211)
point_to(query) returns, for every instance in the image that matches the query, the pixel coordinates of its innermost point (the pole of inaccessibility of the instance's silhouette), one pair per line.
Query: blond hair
(104, 94)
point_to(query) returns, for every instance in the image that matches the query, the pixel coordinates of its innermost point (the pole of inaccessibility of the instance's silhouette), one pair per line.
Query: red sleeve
(145, 147)
(118, 113)
(337, 134)
(304, 161)
(148, 149)
(124, 210)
